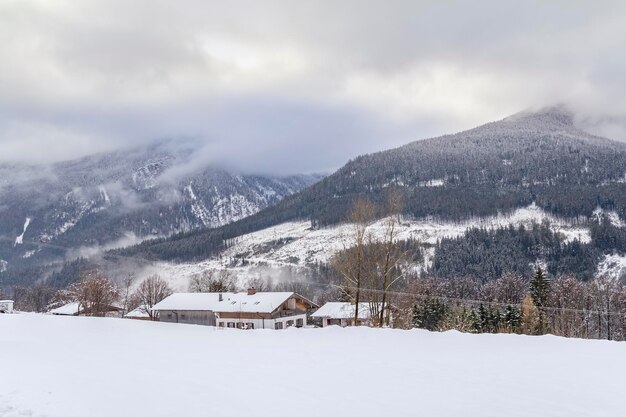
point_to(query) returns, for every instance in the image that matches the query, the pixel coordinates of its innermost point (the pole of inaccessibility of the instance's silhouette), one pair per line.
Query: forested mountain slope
(531, 157)
(120, 198)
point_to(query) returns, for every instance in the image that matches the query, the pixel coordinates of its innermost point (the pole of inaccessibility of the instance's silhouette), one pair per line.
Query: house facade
(243, 310)
(6, 306)
(342, 314)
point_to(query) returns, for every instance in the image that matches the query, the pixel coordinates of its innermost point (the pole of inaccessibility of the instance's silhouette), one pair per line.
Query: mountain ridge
(530, 157)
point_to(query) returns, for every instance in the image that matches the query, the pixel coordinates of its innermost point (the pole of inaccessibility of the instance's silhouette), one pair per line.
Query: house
(76, 309)
(140, 313)
(6, 306)
(243, 310)
(342, 314)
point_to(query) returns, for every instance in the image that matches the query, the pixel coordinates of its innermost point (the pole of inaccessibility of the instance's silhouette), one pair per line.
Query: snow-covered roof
(6, 301)
(261, 302)
(68, 309)
(339, 310)
(140, 312)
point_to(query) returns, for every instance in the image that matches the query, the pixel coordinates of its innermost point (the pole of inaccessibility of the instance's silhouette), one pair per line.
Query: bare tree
(127, 282)
(391, 255)
(95, 293)
(511, 288)
(568, 298)
(259, 284)
(152, 290)
(350, 263)
(210, 281)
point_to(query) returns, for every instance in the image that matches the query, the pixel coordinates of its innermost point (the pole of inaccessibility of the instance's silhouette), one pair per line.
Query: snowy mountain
(539, 159)
(120, 198)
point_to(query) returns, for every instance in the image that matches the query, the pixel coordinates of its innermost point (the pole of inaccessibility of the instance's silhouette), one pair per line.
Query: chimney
(251, 291)
(221, 297)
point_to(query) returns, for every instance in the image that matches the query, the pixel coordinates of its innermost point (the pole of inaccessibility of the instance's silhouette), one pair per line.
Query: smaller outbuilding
(140, 313)
(69, 309)
(342, 314)
(6, 306)
(76, 309)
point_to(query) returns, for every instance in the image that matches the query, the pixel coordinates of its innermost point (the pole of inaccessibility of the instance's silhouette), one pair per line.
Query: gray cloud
(284, 87)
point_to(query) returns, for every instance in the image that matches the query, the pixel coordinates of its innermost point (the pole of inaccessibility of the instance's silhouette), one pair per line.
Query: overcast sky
(295, 86)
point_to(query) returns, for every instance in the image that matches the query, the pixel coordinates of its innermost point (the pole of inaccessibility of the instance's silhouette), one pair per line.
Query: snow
(81, 366)
(439, 182)
(261, 302)
(320, 245)
(29, 253)
(339, 310)
(3, 265)
(611, 216)
(288, 247)
(20, 239)
(223, 209)
(612, 266)
(66, 310)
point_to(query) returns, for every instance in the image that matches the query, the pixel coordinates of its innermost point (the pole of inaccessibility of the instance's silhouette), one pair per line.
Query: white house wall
(262, 323)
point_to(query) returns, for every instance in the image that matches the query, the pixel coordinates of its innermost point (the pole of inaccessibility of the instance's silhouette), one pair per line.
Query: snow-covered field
(88, 367)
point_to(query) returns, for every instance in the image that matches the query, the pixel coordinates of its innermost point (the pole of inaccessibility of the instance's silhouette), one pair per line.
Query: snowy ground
(75, 367)
(283, 251)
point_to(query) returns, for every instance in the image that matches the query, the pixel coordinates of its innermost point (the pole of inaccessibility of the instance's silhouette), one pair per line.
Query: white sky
(291, 86)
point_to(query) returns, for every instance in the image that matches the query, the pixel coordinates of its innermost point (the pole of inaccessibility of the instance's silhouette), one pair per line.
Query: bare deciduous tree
(350, 263)
(212, 281)
(391, 256)
(95, 293)
(152, 290)
(127, 283)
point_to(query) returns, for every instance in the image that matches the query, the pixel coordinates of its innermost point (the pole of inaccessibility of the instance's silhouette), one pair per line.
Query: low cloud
(281, 87)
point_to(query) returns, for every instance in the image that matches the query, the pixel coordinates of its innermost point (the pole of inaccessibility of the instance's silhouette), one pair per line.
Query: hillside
(106, 367)
(539, 158)
(120, 198)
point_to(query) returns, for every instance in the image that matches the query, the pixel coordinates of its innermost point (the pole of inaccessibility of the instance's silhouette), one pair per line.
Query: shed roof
(341, 310)
(140, 312)
(68, 309)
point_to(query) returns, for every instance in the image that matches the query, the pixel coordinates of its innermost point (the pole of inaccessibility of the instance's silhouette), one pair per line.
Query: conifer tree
(539, 288)
(539, 291)
(512, 318)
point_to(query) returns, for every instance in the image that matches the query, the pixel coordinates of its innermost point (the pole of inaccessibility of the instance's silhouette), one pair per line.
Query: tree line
(563, 306)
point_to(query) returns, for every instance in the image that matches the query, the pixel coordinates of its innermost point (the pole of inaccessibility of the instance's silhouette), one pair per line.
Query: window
(299, 323)
(169, 315)
(183, 316)
(220, 324)
(231, 325)
(278, 325)
(289, 323)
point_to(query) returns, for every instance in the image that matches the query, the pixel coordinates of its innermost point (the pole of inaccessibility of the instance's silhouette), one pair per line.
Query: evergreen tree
(512, 318)
(430, 314)
(539, 291)
(539, 288)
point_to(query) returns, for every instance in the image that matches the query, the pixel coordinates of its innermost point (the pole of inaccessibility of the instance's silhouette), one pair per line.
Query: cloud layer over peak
(285, 86)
